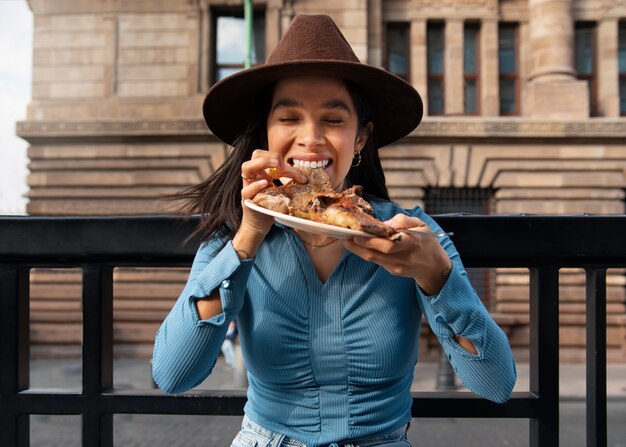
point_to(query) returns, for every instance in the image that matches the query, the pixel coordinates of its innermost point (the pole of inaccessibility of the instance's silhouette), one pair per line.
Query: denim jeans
(253, 435)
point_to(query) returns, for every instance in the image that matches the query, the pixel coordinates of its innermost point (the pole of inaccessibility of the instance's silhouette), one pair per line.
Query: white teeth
(310, 164)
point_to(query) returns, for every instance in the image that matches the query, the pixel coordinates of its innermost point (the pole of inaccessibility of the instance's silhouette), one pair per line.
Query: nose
(311, 136)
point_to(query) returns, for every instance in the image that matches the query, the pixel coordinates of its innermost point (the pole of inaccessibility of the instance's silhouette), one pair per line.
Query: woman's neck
(325, 253)
(315, 241)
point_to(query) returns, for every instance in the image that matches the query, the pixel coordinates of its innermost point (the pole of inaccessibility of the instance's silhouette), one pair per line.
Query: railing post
(596, 358)
(544, 354)
(14, 352)
(97, 428)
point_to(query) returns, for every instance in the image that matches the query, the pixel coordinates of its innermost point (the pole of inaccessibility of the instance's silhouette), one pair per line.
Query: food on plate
(317, 201)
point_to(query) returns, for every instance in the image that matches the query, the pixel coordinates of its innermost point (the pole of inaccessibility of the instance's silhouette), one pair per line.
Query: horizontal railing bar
(221, 402)
(74, 239)
(513, 240)
(524, 405)
(231, 403)
(87, 262)
(470, 263)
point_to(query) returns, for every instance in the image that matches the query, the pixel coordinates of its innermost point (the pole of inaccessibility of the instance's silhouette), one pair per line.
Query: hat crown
(309, 38)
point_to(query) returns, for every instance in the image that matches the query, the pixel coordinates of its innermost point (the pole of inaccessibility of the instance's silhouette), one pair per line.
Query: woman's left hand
(419, 257)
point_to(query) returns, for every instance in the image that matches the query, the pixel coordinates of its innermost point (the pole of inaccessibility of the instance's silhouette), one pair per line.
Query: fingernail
(359, 240)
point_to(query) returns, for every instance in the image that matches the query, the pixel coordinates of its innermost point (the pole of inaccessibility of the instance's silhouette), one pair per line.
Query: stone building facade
(525, 113)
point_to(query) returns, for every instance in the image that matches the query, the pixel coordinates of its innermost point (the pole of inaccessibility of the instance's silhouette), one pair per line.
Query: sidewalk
(136, 374)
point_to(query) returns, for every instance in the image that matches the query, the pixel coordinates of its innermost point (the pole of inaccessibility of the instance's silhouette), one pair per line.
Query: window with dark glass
(471, 73)
(230, 42)
(472, 201)
(621, 58)
(434, 49)
(508, 69)
(397, 55)
(584, 58)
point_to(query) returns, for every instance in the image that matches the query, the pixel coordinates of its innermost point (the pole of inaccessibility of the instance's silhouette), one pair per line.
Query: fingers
(404, 248)
(401, 242)
(375, 248)
(402, 221)
(253, 188)
(266, 165)
(383, 252)
(254, 169)
(287, 171)
(412, 256)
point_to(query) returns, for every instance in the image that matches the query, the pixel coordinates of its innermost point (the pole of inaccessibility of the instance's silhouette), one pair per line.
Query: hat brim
(397, 107)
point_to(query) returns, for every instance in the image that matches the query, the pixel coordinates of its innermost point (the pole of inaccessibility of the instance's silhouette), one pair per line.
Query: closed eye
(287, 119)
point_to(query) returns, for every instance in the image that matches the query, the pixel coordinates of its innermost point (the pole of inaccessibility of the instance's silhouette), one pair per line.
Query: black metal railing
(543, 244)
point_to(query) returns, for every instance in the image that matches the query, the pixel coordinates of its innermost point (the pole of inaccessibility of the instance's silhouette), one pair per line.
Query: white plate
(308, 225)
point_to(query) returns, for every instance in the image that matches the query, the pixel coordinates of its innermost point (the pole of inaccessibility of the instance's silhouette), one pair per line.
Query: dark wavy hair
(218, 199)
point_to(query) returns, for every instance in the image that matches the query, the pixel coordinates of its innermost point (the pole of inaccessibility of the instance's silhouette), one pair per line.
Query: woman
(329, 328)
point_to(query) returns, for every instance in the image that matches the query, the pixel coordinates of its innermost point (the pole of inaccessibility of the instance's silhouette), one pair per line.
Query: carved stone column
(453, 66)
(374, 33)
(273, 24)
(287, 15)
(489, 91)
(419, 62)
(608, 70)
(554, 91)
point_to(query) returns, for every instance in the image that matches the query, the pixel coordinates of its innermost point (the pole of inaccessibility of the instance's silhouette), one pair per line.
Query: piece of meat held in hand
(317, 201)
(346, 213)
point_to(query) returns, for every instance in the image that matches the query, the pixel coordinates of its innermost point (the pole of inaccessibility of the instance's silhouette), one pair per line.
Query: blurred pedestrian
(228, 347)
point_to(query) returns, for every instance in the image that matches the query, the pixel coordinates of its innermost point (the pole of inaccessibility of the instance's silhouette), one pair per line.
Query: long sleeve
(186, 347)
(457, 310)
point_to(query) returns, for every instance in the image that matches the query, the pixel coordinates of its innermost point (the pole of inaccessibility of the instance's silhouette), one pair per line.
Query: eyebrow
(332, 104)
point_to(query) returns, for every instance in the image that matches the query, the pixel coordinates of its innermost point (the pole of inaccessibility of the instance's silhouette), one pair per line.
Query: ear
(363, 135)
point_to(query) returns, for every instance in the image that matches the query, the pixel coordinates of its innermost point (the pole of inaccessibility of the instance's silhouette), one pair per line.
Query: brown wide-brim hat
(314, 46)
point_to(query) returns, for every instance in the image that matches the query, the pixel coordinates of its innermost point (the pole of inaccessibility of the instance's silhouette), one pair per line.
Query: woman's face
(312, 122)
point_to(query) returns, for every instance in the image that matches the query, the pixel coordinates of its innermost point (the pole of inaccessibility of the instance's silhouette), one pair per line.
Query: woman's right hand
(257, 174)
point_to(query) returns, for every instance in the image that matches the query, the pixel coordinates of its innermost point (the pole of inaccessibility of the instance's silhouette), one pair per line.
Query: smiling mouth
(309, 164)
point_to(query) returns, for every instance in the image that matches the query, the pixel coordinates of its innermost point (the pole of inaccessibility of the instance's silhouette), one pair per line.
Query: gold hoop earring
(356, 161)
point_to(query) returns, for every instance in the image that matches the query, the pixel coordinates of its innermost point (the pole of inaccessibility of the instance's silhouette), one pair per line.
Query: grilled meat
(317, 201)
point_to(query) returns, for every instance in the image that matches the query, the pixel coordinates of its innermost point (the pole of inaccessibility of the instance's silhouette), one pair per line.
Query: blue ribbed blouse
(327, 361)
